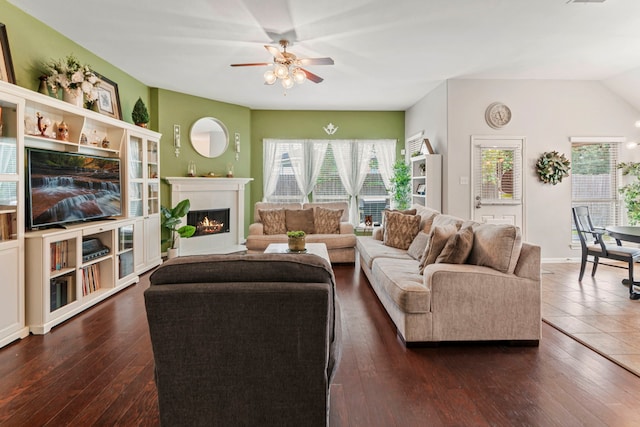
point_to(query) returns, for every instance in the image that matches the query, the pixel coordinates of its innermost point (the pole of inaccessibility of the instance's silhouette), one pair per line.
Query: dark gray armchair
(248, 340)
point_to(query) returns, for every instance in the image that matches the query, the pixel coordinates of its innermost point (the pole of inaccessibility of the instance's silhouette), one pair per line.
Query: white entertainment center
(46, 276)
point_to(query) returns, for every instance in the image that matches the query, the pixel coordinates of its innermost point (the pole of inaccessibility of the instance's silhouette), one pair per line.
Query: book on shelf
(59, 292)
(59, 255)
(90, 279)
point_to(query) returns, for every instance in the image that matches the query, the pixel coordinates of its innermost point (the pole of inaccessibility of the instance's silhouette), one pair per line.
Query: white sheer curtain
(352, 160)
(299, 163)
(272, 162)
(386, 155)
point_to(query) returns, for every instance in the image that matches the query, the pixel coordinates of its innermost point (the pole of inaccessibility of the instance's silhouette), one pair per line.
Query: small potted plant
(140, 115)
(296, 240)
(171, 219)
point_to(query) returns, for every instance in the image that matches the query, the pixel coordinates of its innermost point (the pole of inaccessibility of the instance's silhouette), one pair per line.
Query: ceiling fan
(287, 67)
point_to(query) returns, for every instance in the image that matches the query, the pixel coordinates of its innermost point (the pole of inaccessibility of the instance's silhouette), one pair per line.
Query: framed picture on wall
(108, 98)
(6, 65)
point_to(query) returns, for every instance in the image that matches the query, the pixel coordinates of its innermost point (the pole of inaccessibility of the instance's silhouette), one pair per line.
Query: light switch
(464, 180)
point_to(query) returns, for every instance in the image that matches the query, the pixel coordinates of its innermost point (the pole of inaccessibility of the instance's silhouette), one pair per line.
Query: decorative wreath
(552, 167)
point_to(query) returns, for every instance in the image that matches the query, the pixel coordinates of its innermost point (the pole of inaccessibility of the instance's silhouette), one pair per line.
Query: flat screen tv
(69, 187)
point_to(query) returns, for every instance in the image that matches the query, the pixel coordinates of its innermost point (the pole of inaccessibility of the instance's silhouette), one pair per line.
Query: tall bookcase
(59, 282)
(12, 295)
(143, 197)
(426, 180)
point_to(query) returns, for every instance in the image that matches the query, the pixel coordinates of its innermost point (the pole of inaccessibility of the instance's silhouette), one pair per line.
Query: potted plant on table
(296, 240)
(171, 219)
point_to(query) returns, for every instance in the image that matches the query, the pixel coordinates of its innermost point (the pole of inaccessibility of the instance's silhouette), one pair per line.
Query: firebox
(210, 221)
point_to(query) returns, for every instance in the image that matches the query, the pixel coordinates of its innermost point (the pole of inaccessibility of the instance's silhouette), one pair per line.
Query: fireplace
(209, 221)
(221, 201)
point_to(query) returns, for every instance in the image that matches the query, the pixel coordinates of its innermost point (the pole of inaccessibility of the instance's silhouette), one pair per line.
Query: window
(329, 187)
(354, 171)
(287, 189)
(594, 181)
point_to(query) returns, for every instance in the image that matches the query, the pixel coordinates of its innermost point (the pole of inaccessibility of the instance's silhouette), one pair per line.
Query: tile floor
(596, 312)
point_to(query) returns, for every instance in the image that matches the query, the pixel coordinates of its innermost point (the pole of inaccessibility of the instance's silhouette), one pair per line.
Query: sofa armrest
(346, 228)
(378, 233)
(474, 302)
(257, 228)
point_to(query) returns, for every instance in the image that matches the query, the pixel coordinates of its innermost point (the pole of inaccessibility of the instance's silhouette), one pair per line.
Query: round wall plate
(497, 115)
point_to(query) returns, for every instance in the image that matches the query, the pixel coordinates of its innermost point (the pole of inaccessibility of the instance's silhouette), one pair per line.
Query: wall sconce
(176, 139)
(237, 145)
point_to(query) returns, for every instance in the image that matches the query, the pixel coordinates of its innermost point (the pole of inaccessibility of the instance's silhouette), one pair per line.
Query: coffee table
(319, 249)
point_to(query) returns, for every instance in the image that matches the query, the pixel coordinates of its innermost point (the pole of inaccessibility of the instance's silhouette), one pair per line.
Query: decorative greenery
(70, 74)
(296, 234)
(401, 185)
(552, 167)
(416, 154)
(631, 191)
(140, 115)
(171, 218)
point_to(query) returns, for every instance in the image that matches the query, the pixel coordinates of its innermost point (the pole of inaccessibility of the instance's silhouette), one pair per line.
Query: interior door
(497, 180)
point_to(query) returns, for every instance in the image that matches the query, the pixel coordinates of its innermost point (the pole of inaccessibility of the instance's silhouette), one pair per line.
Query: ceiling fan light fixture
(298, 75)
(287, 82)
(270, 77)
(281, 71)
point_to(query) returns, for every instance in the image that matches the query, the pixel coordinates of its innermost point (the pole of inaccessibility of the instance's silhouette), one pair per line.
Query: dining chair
(599, 249)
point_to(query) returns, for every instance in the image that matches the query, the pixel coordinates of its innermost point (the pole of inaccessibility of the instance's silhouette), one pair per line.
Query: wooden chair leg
(582, 266)
(595, 265)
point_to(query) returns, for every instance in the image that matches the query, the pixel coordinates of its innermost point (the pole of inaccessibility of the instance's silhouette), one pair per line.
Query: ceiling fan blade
(313, 77)
(316, 61)
(251, 64)
(275, 52)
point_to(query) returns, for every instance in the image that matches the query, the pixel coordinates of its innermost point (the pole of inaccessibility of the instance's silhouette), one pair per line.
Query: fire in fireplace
(210, 221)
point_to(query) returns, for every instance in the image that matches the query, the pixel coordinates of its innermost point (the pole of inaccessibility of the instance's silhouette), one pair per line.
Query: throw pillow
(327, 221)
(299, 219)
(273, 221)
(438, 238)
(497, 246)
(458, 247)
(400, 229)
(416, 249)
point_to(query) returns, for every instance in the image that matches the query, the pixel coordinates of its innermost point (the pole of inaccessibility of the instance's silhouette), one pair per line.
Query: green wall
(33, 43)
(174, 108)
(310, 125)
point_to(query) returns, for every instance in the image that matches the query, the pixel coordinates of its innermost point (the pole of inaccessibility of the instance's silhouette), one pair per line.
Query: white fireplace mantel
(212, 193)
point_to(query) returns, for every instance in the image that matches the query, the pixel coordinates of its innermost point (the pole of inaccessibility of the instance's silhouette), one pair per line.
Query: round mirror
(209, 137)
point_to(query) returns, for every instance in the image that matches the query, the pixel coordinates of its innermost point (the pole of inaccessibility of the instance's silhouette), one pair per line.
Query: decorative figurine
(43, 124)
(83, 139)
(62, 133)
(105, 143)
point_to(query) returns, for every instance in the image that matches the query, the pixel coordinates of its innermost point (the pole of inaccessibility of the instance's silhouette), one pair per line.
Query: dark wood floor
(97, 369)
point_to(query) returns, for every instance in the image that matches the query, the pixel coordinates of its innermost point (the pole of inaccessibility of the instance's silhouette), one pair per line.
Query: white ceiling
(388, 53)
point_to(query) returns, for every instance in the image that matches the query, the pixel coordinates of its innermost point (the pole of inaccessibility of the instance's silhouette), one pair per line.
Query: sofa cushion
(444, 219)
(331, 205)
(417, 247)
(327, 221)
(497, 246)
(400, 229)
(427, 215)
(401, 283)
(370, 249)
(458, 247)
(299, 219)
(273, 221)
(270, 205)
(438, 238)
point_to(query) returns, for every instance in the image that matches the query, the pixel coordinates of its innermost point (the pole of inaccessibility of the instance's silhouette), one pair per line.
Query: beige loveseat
(340, 241)
(493, 293)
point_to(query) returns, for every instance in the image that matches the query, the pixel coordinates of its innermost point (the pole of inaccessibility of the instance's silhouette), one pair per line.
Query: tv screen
(69, 187)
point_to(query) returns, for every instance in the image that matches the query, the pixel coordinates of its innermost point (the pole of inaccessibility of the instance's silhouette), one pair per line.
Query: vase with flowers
(78, 81)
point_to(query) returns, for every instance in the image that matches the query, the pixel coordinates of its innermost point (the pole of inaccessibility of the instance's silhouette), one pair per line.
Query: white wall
(429, 115)
(546, 113)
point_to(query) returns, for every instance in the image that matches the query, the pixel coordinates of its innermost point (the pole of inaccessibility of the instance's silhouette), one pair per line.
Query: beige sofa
(458, 302)
(340, 245)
